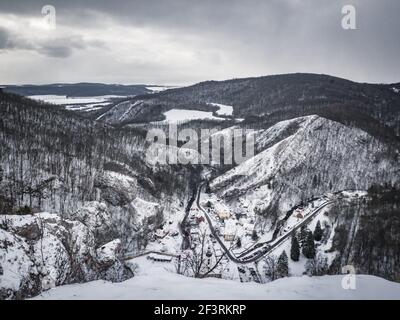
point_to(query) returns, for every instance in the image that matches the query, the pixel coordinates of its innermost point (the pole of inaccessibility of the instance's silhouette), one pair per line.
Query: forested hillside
(268, 100)
(94, 182)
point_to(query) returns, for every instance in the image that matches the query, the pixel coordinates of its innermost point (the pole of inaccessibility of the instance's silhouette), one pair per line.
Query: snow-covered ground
(61, 99)
(158, 281)
(179, 115)
(86, 107)
(224, 110)
(160, 88)
(77, 103)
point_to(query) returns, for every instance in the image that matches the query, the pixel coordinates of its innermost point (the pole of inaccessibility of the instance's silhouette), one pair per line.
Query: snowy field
(61, 100)
(156, 89)
(170, 286)
(224, 110)
(179, 115)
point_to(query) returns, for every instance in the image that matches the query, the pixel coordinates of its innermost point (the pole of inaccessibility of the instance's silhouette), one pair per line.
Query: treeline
(374, 246)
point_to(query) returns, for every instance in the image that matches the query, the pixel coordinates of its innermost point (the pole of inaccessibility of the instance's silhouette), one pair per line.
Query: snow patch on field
(180, 115)
(159, 88)
(86, 107)
(224, 110)
(60, 99)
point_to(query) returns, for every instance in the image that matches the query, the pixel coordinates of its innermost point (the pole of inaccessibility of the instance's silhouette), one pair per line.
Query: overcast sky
(180, 42)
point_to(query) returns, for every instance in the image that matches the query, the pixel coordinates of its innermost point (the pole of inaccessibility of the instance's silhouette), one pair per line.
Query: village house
(229, 237)
(223, 215)
(229, 231)
(299, 216)
(240, 215)
(160, 233)
(200, 219)
(298, 213)
(194, 234)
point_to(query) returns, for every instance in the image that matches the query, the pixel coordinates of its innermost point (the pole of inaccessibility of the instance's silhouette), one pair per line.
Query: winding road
(260, 249)
(184, 230)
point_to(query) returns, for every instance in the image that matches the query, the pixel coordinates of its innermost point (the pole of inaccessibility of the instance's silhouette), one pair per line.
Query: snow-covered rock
(95, 216)
(109, 252)
(38, 252)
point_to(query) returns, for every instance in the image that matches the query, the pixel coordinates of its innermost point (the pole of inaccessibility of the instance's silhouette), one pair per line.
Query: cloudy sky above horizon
(179, 42)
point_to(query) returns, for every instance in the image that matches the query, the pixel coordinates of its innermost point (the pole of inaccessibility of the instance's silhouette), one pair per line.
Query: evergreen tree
(282, 267)
(254, 235)
(309, 246)
(318, 232)
(303, 235)
(238, 243)
(295, 249)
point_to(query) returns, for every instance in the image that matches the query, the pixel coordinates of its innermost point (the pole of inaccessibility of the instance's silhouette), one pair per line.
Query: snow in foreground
(169, 286)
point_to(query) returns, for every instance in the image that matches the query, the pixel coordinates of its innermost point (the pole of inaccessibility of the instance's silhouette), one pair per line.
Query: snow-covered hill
(306, 157)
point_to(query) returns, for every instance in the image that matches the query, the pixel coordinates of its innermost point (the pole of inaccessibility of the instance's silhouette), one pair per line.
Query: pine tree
(254, 235)
(238, 243)
(318, 232)
(303, 235)
(295, 249)
(309, 246)
(282, 267)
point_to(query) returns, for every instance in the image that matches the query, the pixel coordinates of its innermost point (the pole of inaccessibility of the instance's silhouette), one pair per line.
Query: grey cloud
(3, 38)
(55, 52)
(272, 36)
(9, 41)
(61, 47)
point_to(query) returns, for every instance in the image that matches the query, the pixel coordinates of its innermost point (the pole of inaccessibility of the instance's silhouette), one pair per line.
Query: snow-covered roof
(230, 227)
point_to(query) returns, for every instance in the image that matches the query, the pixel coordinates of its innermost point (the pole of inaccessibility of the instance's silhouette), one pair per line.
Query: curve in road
(265, 246)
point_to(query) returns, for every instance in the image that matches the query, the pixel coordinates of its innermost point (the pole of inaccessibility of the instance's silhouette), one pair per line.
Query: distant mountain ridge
(271, 99)
(83, 89)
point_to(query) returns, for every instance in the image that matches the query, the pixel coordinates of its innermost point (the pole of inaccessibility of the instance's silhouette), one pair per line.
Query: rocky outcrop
(41, 251)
